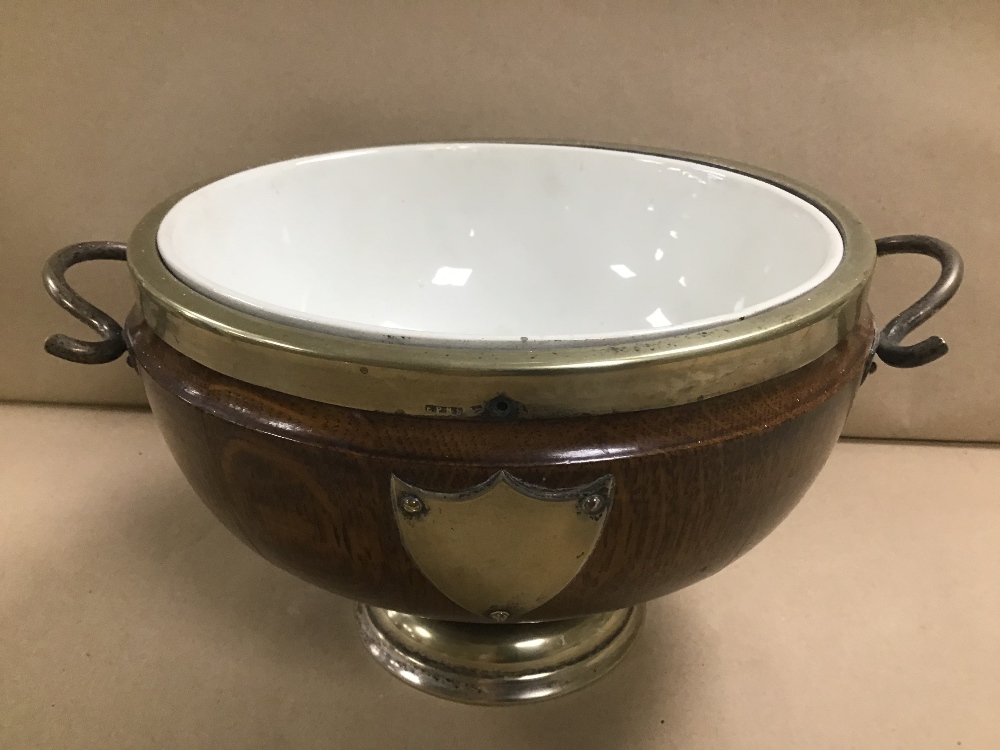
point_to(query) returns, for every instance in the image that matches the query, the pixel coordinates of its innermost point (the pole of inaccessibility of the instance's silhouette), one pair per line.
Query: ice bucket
(501, 394)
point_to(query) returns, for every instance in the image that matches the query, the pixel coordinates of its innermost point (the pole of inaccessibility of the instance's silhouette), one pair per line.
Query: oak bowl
(501, 394)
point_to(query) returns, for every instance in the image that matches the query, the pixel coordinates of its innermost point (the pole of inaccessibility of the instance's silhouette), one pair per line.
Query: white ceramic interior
(500, 243)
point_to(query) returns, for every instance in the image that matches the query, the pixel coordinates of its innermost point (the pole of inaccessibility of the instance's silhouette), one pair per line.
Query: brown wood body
(306, 484)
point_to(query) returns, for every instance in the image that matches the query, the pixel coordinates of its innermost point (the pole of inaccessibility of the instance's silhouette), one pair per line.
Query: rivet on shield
(592, 505)
(411, 505)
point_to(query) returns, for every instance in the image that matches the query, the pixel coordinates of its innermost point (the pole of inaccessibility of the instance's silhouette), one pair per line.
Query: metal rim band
(467, 382)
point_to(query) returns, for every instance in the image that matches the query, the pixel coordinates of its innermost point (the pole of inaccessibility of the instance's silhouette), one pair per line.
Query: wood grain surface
(306, 484)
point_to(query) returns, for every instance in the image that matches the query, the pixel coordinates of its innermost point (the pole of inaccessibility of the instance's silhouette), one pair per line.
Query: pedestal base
(497, 664)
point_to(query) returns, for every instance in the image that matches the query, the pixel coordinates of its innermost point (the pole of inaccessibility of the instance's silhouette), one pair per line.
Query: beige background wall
(892, 106)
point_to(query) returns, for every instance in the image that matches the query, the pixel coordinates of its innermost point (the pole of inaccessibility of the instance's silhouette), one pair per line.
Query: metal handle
(112, 343)
(890, 348)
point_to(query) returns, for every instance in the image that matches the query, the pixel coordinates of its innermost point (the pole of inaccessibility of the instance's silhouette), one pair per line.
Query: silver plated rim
(437, 381)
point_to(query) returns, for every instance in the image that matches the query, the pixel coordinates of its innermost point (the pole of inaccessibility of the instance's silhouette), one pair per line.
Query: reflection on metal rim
(443, 381)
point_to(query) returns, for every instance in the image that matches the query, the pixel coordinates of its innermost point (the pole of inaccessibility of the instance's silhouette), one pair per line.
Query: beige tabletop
(129, 618)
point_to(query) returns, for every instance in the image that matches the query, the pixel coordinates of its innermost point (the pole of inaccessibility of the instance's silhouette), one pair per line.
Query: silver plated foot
(497, 664)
